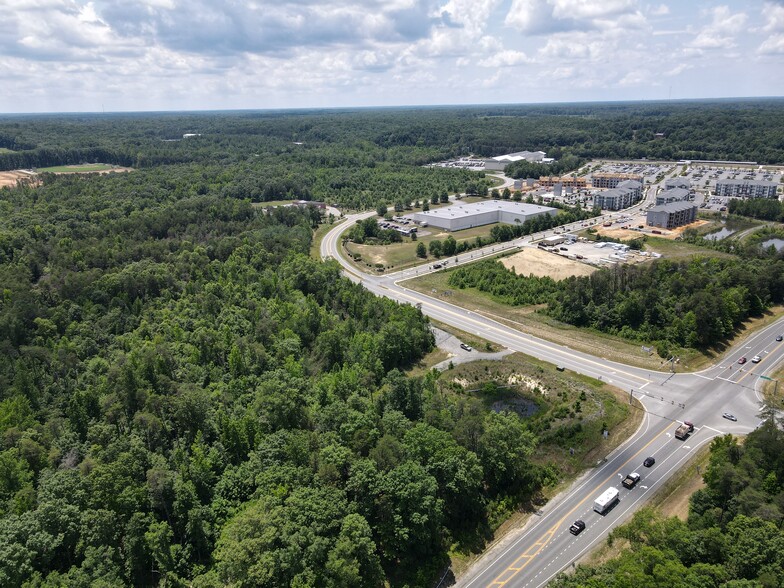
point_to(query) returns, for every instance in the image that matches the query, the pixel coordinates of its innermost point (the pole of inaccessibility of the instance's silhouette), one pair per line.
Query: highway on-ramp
(546, 547)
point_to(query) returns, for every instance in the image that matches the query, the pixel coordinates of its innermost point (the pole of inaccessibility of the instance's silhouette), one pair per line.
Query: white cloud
(773, 13)
(660, 10)
(720, 33)
(506, 58)
(548, 16)
(772, 46)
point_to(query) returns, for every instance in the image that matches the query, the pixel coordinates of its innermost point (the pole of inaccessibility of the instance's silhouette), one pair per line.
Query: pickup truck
(631, 480)
(684, 430)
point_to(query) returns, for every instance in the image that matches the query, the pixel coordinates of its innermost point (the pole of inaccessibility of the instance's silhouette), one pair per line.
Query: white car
(756, 359)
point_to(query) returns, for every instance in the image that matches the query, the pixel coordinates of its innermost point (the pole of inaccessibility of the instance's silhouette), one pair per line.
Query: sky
(142, 55)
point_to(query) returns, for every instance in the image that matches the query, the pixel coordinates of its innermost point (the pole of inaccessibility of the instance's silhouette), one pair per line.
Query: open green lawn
(402, 255)
(4, 150)
(679, 250)
(77, 169)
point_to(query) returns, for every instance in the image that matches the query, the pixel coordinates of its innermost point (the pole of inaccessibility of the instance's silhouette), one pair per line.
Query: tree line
(696, 303)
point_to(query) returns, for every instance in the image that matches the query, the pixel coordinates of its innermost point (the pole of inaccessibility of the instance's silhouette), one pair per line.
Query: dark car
(780, 338)
(649, 461)
(577, 527)
(742, 360)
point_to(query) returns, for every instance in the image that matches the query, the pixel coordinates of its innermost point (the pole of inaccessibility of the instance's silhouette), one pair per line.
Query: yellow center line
(518, 566)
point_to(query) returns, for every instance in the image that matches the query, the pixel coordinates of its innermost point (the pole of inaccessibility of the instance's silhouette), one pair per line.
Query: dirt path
(9, 178)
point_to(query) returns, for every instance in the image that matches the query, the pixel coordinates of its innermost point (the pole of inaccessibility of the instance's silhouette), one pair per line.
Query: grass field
(4, 150)
(403, 255)
(77, 169)
(680, 250)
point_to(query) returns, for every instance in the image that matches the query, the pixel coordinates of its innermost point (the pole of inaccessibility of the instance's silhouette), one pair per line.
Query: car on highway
(780, 337)
(466, 347)
(577, 527)
(742, 360)
(649, 461)
(631, 480)
(756, 359)
(729, 416)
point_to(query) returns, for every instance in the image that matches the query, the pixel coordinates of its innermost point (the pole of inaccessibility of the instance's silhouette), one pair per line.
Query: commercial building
(672, 195)
(623, 195)
(670, 183)
(746, 188)
(565, 181)
(501, 161)
(610, 180)
(466, 216)
(674, 214)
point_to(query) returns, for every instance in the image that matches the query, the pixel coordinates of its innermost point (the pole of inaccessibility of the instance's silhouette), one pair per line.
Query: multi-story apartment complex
(565, 181)
(746, 188)
(672, 195)
(608, 180)
(674, 214)
(623, 195)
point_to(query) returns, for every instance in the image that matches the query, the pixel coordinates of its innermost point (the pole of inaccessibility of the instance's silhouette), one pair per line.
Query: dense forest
(733, 536)
(696, 303)
(187, 398)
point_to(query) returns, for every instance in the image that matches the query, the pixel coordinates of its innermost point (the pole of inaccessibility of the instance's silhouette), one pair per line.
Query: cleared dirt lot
(540, 263)
(9, 178)
(618, 232)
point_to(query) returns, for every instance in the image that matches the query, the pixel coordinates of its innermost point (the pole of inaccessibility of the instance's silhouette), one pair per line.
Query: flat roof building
(746, 188)
(500, 162)
(674, 214)
(609, 180)
(466, 216)
(624, 195)
(672, 195)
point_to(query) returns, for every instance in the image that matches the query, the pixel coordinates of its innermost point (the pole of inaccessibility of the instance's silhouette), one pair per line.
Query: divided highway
(546, 547)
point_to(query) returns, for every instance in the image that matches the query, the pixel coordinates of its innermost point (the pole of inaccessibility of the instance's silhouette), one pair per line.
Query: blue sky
(129, 55)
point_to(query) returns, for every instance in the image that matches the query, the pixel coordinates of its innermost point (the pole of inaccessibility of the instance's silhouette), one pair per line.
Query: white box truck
(606, 500)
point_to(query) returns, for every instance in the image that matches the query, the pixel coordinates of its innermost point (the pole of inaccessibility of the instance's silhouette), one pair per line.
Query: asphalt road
(545, 547)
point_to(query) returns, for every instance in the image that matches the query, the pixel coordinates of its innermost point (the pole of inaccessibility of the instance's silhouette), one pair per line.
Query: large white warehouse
(465, 216)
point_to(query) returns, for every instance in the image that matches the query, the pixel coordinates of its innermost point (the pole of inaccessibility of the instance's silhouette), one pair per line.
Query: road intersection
(545, 547)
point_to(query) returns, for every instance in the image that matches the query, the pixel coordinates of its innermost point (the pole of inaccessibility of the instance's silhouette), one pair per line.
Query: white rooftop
(520, 155)
(462, 210)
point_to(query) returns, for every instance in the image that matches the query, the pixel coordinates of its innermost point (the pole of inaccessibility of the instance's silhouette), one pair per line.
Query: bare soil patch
(620, 233)
(9, 178)
(541, 263)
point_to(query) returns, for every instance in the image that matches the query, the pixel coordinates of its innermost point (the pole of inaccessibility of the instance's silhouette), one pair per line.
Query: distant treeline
(360, 157)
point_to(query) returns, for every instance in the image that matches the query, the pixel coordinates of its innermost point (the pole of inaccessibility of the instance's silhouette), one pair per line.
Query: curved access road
(545, 547)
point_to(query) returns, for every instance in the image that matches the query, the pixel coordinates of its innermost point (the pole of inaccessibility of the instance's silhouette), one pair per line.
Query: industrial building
(746, 188)
(565, 181)
(674, 214)
(672, 195)
(624, 195)
(466, 216)
(612, 180)
(501, 161)
(670, 183)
